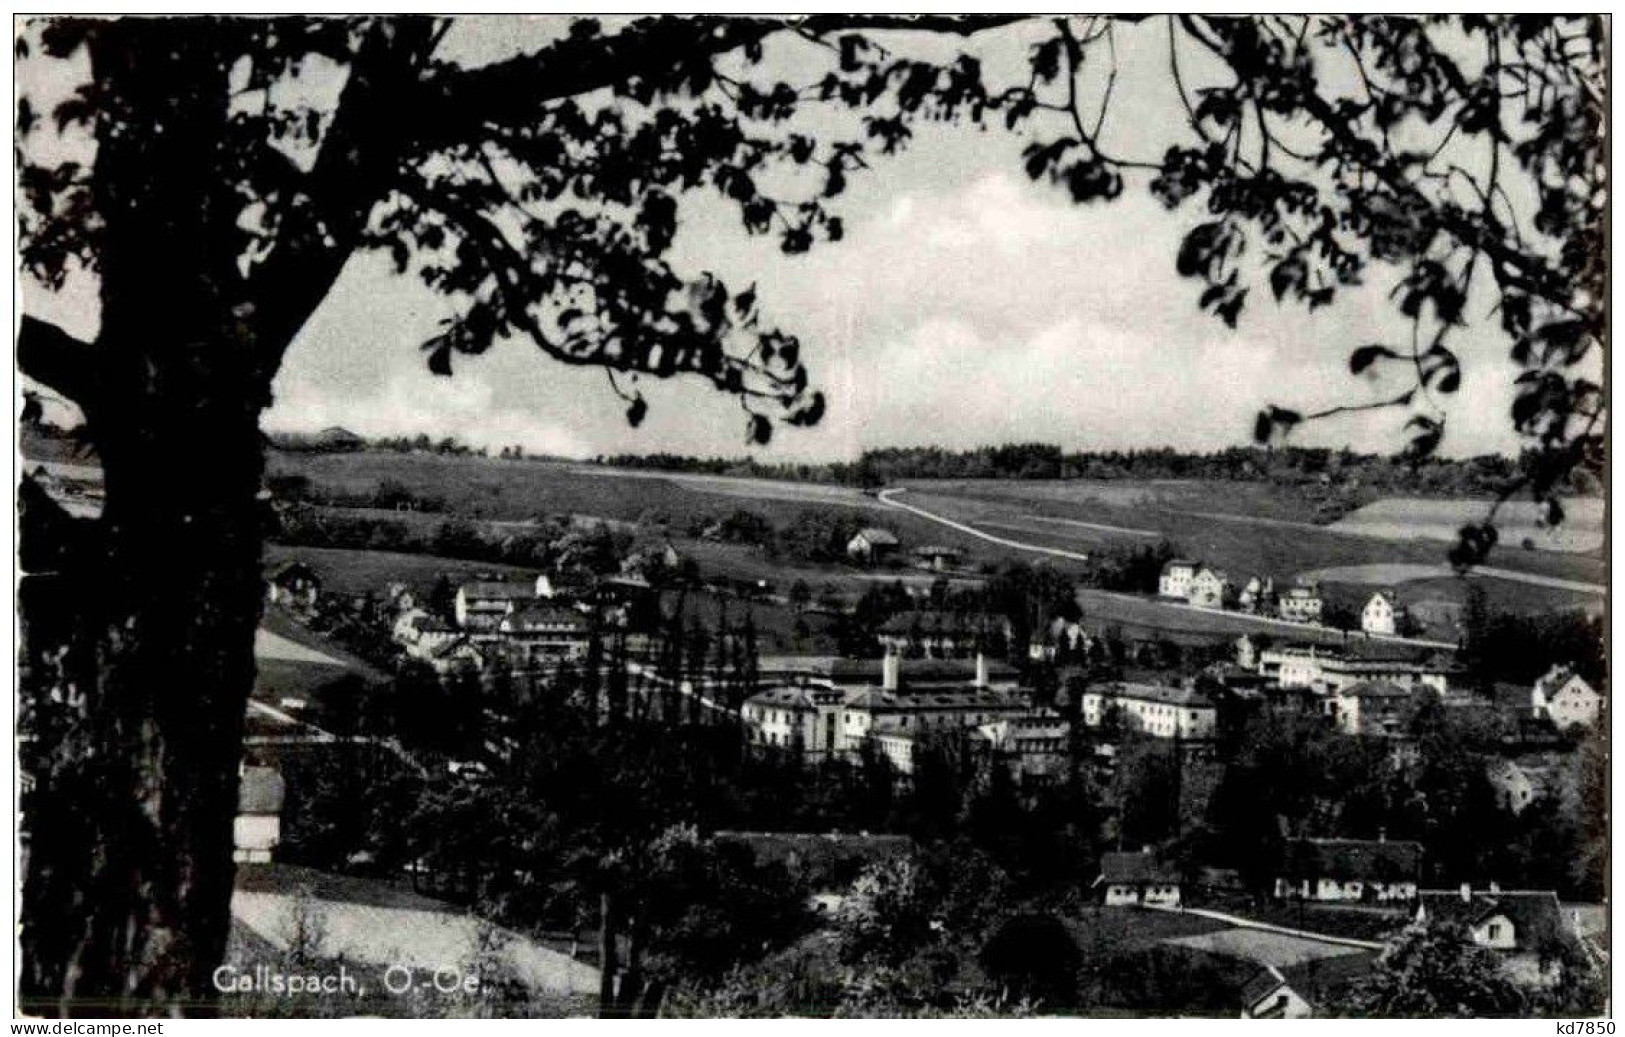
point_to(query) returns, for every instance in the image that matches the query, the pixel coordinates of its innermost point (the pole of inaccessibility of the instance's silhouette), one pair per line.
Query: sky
(965, 306)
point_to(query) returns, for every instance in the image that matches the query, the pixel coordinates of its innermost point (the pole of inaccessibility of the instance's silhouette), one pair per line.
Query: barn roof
(1162, 693)
(498, 590)
(877, 536)
(1376, 690)
(261, 791)
(539, 615)
(786, 697)
(1136, 867)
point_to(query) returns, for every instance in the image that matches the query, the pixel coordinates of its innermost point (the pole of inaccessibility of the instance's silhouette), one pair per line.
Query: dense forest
(1484, 475)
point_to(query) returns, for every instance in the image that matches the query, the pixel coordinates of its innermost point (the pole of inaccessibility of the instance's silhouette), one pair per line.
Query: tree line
(1483, 475)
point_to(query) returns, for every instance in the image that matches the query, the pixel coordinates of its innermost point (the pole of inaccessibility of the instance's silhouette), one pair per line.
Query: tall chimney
(888, 672)
(981, 670)
(1466, 892)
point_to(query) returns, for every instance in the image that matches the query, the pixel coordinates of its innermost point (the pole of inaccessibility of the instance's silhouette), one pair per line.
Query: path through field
(889, 497)
(740, 486)
(1176, 615)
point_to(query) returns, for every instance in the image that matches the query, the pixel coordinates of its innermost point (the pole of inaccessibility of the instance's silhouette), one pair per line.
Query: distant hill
(333, 439)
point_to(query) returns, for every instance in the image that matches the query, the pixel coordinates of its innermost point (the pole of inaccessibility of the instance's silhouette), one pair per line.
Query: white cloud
(966, 305)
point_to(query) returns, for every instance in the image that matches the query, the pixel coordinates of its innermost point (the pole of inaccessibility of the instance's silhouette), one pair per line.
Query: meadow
(1244, 528)
(1414, 518)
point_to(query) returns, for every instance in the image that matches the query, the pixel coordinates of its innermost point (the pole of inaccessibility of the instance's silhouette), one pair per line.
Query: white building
(821, 719)
(1374, 709)
(1301, 603)
(1328, 668)
(1566, 698)
(258, 827)
(1375, 870)
(1175, 580)
(420, 633)
(537, 635)
(481, 605)
(1517, 784)
(1209, 588)
(803, 718)
(1269, 995)
(1383, 614)
(1033, 746)
(1158, 710)
(1258, 596)
(1526, 928)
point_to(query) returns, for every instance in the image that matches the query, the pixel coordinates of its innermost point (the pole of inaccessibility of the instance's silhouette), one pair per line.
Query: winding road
(1171, 609)
(889, 498)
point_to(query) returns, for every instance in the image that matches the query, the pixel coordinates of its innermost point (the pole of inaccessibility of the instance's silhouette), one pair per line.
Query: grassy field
(1245, 545)
(1105, 932)
(1412, 518)
(346, 571)
(1245, 528)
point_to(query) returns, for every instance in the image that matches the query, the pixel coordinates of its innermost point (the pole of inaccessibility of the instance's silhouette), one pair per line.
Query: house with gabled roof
(1137, 878)
(1033, 746)
(936, 557)
(1175, 579)
(1268, 995)
(1519, 783)
(1525, 927)
(481, 605)
(460, 654)
(1299, 990)
(537, 633)
(257, 828)
(1378, 870)
(1301, 603)
(1257, 596)
(1374, 709)
(1383, 614)
(1566, 699)
(872, 545)
(1210, 588)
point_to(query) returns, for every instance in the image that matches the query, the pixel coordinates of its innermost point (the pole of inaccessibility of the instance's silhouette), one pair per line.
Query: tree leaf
(1365, 356)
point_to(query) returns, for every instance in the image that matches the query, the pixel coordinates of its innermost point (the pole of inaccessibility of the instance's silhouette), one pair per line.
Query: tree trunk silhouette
(126, 900)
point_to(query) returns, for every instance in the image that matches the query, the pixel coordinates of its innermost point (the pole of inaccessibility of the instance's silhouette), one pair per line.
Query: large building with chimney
(821, 718)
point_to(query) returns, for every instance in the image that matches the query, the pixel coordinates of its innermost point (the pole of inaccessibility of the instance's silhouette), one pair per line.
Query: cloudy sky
(965, 306)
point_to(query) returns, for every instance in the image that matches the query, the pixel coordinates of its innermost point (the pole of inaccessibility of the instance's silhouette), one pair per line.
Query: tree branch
(360, 150)
(57, 360)
(509, 92)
